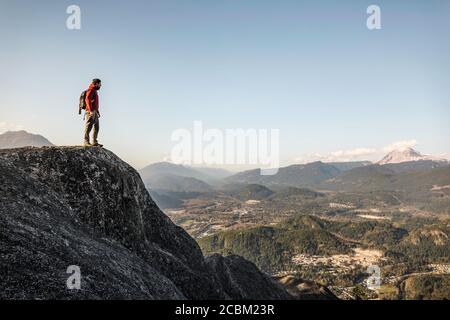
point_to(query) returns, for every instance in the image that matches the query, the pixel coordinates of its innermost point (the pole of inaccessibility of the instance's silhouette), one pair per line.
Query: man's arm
(88, 100)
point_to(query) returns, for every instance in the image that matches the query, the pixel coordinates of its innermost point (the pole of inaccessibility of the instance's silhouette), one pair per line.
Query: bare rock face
(234, 270)
(62, 206)
(305, 290)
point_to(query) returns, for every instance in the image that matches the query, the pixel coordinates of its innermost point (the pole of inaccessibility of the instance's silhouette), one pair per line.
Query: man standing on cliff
(92, 113)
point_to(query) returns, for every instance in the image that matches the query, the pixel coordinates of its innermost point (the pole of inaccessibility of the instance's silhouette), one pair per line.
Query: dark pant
(91, 121)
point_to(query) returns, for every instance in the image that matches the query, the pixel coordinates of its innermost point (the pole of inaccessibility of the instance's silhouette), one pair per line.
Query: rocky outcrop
(62, 206)
(305, 290)
(234, 270)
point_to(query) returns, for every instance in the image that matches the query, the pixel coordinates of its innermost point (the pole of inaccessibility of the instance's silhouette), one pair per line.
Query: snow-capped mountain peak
(406, 155)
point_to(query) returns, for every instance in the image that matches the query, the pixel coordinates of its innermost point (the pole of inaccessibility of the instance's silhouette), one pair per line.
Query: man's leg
(96, 128)
(88, 127)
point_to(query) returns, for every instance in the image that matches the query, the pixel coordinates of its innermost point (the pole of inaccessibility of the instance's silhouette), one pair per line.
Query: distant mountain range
(297, 175)
(334, 175)
(403, 169)
(18, 139)
(165, 201)
(249, 192)
(407, 155)
(156, 171)
(175, 183)
(344, 166)
(170, 183)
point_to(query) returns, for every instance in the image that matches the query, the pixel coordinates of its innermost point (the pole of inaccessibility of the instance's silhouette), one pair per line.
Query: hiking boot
(96, 144)
(87, 144)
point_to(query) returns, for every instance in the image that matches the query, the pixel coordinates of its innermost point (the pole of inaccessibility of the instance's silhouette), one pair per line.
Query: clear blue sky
(309, 68)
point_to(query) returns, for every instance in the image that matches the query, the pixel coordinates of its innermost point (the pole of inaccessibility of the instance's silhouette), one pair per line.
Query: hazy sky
(312, 69)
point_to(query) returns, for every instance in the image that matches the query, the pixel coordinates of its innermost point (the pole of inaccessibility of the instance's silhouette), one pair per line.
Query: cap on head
(96, 81)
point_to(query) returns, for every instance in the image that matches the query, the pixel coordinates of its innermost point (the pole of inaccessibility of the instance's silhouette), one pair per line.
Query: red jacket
(91, 99)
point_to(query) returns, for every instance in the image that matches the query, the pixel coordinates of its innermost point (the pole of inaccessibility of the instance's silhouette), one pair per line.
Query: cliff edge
(62, 206)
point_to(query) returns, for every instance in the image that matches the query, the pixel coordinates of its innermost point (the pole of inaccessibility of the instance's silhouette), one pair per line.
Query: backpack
(82, 105)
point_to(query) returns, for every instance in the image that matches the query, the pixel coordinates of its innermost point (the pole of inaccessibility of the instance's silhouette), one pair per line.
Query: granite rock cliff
(62, 206)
